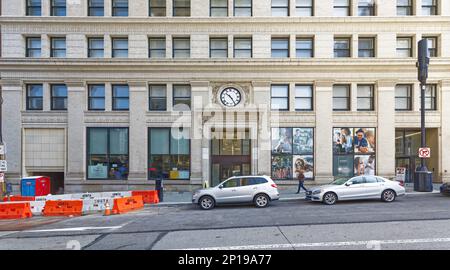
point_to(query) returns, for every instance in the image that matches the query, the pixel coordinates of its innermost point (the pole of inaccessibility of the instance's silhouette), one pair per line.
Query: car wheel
(388, 195)
(261, 200)
(207, 202)
(330, 198)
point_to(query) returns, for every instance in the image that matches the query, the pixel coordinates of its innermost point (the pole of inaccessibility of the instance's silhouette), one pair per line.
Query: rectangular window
(169, 153)
(280, 8)
(120, 97)
(59, 97)
(366, 98)
(243, 8)
(305, 47)
(366, 47)
(157, 47)
(280, 97)
(243, 47)
(218, 8)
(181, 97)
(342, 47)
(432, 46)
(341, 8)
(120, 8)
(304, 8)
(218, 48)
(157, 8)
(429, 7)
(303, 97)
(107, 155)
(58, 8)
(33, 47)
(292, 153)
(96, 47)
(403, 97)
(96, 8)
(430, 97)
(34, 8)
(404, 8)
(96, 98)
(35, 94)
(366, 8)
(181, 8)
(280, 47)
(404, 47)
(341, 98)
(120, 47)
(158, 98)
(181, 48)
(58, 47)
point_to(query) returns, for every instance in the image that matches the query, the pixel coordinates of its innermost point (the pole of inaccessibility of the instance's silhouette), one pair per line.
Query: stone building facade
(268, 87)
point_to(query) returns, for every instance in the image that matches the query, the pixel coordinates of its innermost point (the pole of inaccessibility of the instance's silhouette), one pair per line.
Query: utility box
(423, 181)
(35, 186)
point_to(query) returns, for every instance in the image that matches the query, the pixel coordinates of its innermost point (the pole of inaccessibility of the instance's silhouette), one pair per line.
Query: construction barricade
(124, 205)
(148, 196)
(18, 198)
(15, 210)
(96, 205)
(63, 208)
(37, 207)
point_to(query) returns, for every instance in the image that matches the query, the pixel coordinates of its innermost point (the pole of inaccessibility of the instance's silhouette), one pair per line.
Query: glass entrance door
(408, 168)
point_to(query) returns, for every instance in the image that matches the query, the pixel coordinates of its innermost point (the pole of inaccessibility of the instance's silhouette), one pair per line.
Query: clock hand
(234, 103)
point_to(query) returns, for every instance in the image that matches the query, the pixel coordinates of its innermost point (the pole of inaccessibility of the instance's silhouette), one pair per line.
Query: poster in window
(282, 141)
(364, 140)
(98, 171)
(282, 167)
(343, 166)
(305, 165)
(364, 165)
(343, 140)
(303, 141)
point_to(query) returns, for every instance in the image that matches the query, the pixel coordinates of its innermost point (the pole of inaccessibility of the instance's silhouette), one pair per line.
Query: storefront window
(107, 153)
(354, 151)
(169, 153)
(292, 153)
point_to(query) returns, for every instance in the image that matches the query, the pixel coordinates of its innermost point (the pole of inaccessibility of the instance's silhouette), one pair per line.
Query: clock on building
(230, 97)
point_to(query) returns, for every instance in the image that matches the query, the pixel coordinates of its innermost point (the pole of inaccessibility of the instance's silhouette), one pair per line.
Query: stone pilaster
(261, 92)
(445, 132)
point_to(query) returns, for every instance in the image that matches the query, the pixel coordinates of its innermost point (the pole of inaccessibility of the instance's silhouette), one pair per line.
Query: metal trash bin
(423, 181)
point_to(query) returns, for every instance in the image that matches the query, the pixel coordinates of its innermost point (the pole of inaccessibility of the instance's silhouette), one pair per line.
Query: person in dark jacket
(301, 181)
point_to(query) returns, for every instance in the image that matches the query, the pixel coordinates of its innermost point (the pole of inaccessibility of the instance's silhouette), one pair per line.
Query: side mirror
(348, 184)
(221, 186)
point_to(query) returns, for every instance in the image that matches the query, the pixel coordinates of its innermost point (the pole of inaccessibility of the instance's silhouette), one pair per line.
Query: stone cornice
(11, 83)
(75, 84)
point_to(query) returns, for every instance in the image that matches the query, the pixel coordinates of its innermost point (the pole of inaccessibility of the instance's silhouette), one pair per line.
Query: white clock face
(230, 97)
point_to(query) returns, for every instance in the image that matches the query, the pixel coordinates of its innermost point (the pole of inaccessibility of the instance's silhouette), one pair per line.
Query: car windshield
(339, 181)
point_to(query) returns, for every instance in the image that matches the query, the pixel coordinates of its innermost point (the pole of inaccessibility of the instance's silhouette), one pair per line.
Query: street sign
(3, 166)
(424, 152)
(2, 177)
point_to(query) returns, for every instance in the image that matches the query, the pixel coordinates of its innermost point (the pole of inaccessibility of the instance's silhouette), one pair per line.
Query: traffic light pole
(423, 167)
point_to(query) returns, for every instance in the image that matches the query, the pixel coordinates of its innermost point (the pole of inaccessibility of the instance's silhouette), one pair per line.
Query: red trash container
(35, 186)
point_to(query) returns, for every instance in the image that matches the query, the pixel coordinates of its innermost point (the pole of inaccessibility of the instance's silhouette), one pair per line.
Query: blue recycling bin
(423, 181)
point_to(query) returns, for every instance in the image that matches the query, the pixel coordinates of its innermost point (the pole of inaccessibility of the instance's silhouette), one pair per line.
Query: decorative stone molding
(5, 83)
(107, 117)
(244, 88)
(137, 86)
(44, 117)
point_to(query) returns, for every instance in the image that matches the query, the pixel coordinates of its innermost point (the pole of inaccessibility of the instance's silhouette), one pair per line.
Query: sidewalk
(286, 193)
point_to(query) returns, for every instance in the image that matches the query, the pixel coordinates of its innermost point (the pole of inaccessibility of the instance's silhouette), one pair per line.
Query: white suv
(260, 190)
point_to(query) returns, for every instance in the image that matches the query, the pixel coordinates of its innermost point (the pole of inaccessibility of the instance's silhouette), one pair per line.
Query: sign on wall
(3, 166)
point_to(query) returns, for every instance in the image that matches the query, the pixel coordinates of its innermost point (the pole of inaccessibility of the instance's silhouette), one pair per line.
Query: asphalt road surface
(419, 221)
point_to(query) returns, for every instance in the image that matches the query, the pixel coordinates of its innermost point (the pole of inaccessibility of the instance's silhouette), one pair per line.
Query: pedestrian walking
(301, 181)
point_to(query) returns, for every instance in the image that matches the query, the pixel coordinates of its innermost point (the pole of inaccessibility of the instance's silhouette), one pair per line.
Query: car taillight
(274, 185)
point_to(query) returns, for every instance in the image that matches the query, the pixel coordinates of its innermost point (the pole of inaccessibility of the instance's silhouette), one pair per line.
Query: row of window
(182, 97)
(342, 98)
(219, 8)
(218, 47)
(120, 97)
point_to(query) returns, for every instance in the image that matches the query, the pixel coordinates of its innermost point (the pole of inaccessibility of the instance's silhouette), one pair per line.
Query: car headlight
(317, 191)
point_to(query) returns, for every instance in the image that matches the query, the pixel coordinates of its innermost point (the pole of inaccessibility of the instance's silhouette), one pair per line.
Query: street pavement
(417, 221)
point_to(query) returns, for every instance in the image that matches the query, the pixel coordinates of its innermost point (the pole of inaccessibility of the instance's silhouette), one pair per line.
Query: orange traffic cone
(107, 209)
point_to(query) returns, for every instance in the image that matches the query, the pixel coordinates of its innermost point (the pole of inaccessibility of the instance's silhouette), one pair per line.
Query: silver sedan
(357, 188)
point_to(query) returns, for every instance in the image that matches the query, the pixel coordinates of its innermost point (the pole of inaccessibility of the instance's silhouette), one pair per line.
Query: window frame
(29, 97)
(150, 49)
(90, 49)
(371, 98)
(158, 8)
(54, 7)
(286, 8)
(117, 98)
(311, 99)
(372, 51)
(310, 8)
(30, 49)
(211, 50)
(408, 97)
(115, 51)
(433, 51)
(370, 7)
(432, 97)
(235, 8)
(272, 50)
(347, 7)
(90, 97)
(54, 98)
(211, 8)
(287, 98)
(312, 52)
(31, 7)
(53, 49)
(174, 50)
(409, 49)
(177, 8)
(93, 8)
(244, 50)
(116, 9)
(347, 98)
(433, 8)
(408, 8)
(177, 98)
(349, 49)
(150, 98)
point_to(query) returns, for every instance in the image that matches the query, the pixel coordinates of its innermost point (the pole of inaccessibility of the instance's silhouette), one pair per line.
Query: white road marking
(78, 229)
(329, 244)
